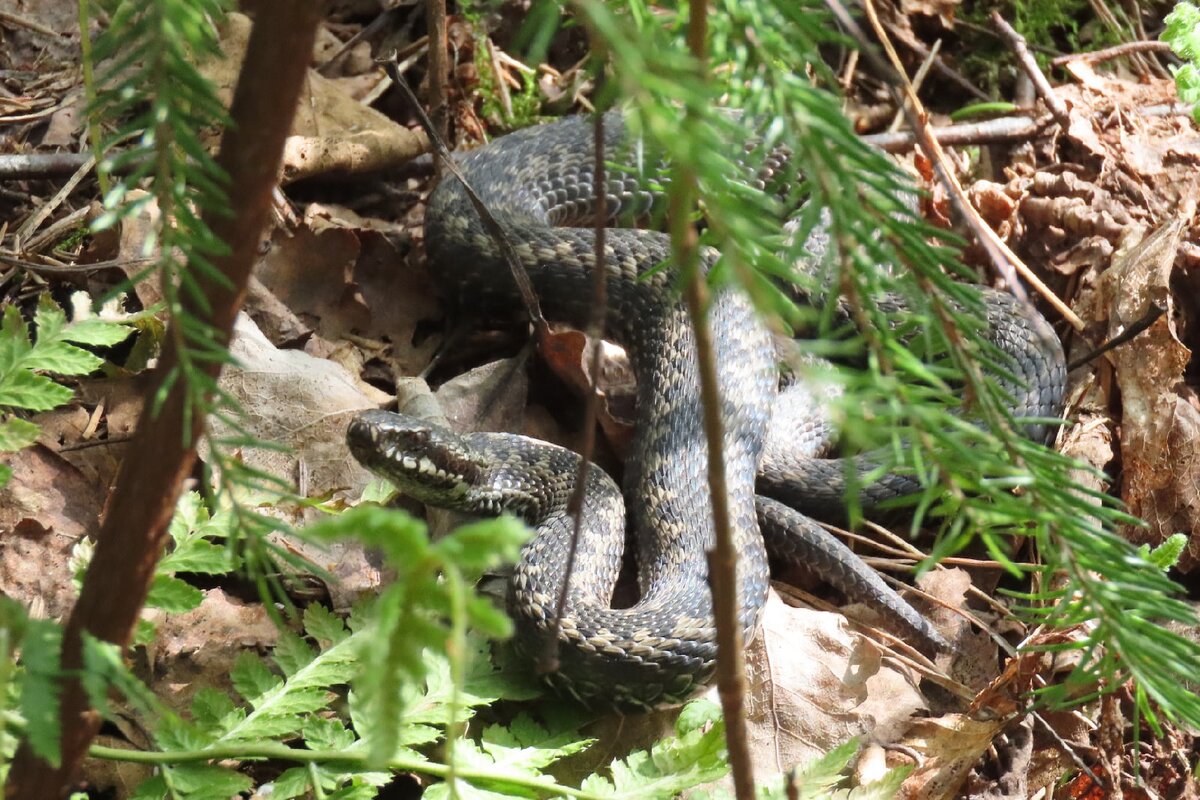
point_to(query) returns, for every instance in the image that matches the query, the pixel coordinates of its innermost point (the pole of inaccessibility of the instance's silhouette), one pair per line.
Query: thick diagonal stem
(135, 528)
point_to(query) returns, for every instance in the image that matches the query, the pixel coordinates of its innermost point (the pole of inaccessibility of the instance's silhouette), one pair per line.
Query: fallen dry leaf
(305, 403)
(1161, 424)
(332, 132)
(814, 683)
(45, 508)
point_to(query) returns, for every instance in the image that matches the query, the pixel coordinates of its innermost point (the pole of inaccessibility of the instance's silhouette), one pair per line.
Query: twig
(1109, 53)
(381, 21)
(1021, 50)
(595, 330)
(55, 230)
(918, 79)
(944, 69)
(494, 228)
(722, 560)
(69, 269)
(439, 68)
(150, 479)
(38, 217)
(1133, 330)
(25, 22)
(1001, 129)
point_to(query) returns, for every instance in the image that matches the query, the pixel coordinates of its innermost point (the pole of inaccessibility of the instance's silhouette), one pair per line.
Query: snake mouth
(423, 459)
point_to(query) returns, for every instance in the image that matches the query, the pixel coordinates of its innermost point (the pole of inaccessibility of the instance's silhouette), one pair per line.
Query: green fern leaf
(40, 650)
(16, 434)
(173, 595)
(693, 757)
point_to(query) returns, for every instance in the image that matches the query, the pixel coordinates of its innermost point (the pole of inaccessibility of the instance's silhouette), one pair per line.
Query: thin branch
(1021, 50)
(722, 560)
(1109, 53)
(494, 228)
(595, 330)
(992, 131)
(439, 67)
(135, 528)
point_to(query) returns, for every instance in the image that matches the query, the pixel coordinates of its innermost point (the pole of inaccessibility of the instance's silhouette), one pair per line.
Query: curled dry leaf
(814, 683)
(1161, 424)
(332, 132)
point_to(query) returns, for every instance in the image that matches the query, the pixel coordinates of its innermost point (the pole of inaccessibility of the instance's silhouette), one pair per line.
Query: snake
(537, 184)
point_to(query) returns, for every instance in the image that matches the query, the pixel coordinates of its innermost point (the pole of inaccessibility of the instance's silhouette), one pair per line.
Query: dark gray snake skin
(537, 183)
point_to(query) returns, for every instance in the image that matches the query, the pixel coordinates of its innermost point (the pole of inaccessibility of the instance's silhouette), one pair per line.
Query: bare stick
(595, 330)
(722, 560)
(494, 228)
(135, 527)
(1001, 129)
(1109, 53)
(1021, 50)
(439, 67)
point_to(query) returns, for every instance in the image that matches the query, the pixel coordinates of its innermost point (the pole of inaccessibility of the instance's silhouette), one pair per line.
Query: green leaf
(207, 782)
(41, 648)
(61, 358)
(48, 320)
(16, 434)
(173, 595)
(253, 680)
(695, 756)
(1167, 554)
(96, 332)
(199, 556)
(14, 341)
(27, 390)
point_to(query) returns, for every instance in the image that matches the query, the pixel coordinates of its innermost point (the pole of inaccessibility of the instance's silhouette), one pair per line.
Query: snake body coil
(537, 184)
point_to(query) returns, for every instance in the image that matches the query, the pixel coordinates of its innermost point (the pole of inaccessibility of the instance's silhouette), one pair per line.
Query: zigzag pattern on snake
(537, 183)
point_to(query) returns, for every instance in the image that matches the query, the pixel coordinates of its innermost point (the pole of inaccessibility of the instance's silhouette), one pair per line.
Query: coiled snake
(537, 183)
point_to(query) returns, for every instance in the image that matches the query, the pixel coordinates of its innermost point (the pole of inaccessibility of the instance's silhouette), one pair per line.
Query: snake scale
(537, 183)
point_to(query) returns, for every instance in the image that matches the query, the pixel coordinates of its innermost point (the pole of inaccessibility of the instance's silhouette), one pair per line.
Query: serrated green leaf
(14, 340)
(22, 389)
(484, 544)
(674, 765)
(16, 434)
(291, 653)
(252, 679)
(96, 332)
(1166, 555)
(197, 555)
(208, 782)
(6, 474)
(173, 595)
(212, 709)
(323, 625)
(48, 320)
(41, 647)
(321, 733)
(487, 619)
(60, 358)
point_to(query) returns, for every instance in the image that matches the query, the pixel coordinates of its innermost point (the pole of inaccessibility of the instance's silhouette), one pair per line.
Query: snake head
(424, 460)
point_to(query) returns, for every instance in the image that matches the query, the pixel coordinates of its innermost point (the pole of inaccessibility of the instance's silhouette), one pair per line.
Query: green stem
(246, 751)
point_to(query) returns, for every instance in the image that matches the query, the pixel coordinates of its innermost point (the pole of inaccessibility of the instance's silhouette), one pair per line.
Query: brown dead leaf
(198, 649)
(45, 508)
(951, 746)
(813, 684)
(332, 132)
(305, 403)
(344, 281)
(1161, 426)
